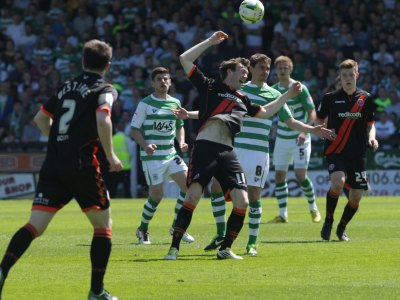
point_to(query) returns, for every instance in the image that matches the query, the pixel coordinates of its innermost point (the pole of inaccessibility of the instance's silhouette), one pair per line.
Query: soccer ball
(251, 11)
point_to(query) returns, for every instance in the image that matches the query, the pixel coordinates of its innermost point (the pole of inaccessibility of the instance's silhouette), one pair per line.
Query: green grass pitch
(293, 262)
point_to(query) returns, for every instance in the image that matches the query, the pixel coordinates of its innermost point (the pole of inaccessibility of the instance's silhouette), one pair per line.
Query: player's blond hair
(283, 58)
(349, 64)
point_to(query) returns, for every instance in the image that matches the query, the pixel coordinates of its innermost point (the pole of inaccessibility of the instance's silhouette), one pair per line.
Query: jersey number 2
(65, 119)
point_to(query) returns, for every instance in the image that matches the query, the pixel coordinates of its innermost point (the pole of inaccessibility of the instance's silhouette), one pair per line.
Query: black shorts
(211, 159)
(57, 187)
(355, 170)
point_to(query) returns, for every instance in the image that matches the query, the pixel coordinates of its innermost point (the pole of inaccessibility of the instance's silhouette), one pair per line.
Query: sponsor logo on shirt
(350, 115)
(162, 126)
(340, 101)
(230, 97)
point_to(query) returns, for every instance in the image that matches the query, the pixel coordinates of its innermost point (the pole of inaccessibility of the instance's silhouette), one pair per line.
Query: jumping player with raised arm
(251, 145)
(221, 113)
(350, 112)
(75, 119)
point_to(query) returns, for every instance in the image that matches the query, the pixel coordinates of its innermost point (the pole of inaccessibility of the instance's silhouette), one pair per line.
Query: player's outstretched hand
(324, 133)
(218, 37)
(115, 164)
(181, 113)
(373, 143)
(295, 89)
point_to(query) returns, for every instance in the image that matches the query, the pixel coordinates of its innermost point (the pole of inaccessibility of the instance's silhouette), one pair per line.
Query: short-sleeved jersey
(299, 106)
(254, 134)
(73, 140)
(348, 115)
(158, 124)
(217, 100)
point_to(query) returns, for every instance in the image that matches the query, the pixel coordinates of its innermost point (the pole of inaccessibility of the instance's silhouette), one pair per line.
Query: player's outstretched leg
(19, 243)
(186, 236)
(233, 227)
(182, 223)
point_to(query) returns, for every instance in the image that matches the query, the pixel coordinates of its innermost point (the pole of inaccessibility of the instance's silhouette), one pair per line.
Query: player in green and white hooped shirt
(292, 145)
(154, 128)
(252, 148)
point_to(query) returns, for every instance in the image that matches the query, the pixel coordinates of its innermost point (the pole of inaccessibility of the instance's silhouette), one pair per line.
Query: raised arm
(189, 56)
(273, 107)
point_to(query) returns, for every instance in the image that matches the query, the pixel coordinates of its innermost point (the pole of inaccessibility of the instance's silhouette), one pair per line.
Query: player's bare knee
(337, 185)
(253, 193)
(300, 177)
(240, 198)
(280, 176)
(156, 196)
(191, 198)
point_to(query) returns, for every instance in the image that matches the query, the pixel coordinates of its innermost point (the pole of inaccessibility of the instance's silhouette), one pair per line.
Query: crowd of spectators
(40, 42)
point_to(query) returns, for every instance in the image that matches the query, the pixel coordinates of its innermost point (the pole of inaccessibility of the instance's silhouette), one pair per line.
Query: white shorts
(255, 165)
(156, 171)
(287, 152)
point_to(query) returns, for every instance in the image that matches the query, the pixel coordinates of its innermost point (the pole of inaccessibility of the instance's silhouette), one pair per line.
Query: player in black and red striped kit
(221, 113)
(75, 119)
(350, 112)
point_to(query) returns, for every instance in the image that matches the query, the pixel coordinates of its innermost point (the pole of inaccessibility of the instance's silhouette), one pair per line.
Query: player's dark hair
(96, 55)
(231, 65)
(259, 57)
(158, 70)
